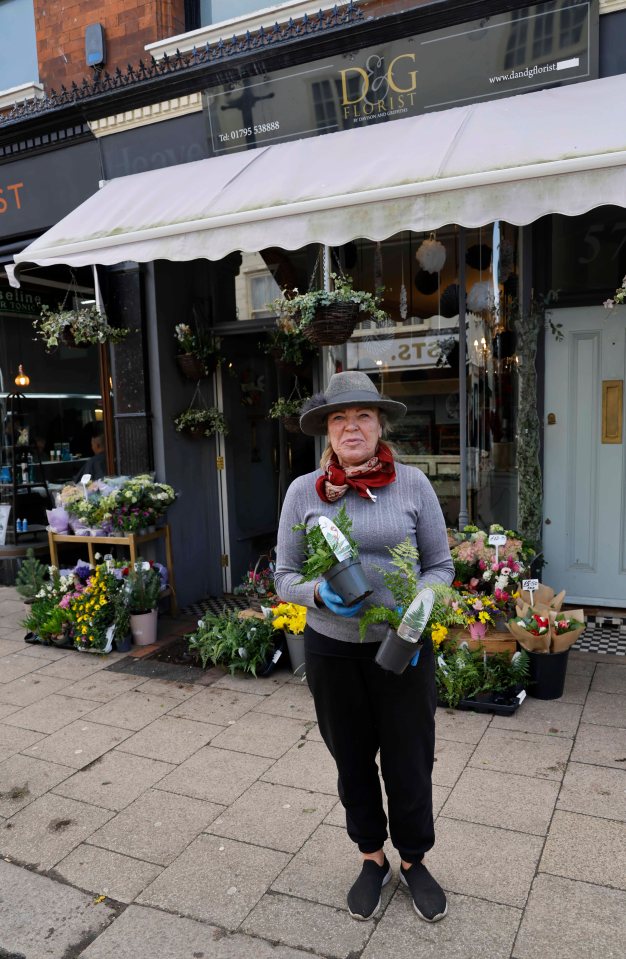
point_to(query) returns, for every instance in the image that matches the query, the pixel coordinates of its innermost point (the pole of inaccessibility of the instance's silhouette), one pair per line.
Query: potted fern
(332, 553)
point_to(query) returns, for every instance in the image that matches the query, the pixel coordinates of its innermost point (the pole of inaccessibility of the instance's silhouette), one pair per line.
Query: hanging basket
(67, 338)
(193, 368)
(291, 423)
(332, 325)
(194, 434)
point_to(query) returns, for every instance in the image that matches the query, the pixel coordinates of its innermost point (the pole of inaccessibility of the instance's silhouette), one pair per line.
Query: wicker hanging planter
(332, 325)
(291, 423)
(194, 368)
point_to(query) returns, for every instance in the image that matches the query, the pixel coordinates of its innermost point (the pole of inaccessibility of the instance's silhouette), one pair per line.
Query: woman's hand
(334, 602)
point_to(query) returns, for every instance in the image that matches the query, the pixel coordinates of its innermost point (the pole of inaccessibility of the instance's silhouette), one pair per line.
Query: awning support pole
(463, 513)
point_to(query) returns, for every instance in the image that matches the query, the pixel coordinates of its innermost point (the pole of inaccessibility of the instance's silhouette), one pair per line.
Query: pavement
(143, 817)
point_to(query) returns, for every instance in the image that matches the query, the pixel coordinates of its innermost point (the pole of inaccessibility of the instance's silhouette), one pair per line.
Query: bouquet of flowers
(565, 628)
(258, 582)
(289, 617)
(532, 630)
(477, 571)
(92, 610)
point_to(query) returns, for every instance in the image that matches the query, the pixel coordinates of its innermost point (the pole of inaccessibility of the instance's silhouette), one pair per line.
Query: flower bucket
(295, 647)
(395, 654)
(547, 671)
(143, 626)
(123, 644)
(332, 325)
(348, 579)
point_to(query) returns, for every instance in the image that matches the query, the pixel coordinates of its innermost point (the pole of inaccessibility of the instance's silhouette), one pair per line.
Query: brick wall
(128, 26)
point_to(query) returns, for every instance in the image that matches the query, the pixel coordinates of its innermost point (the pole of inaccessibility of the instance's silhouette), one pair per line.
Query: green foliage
(378, 614)
(319, 556)
(85, 324)
(142, 587)
(46, 620)
(286, 407)
(301, 308)
(240, 645)
(288, 343)
(465, 674)
(401, 580)
(207, 421)
(30, 576)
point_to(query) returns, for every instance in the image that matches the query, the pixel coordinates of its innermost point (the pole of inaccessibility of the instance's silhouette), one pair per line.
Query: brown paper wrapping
(544, 597)
(534, 644)
(558, 644)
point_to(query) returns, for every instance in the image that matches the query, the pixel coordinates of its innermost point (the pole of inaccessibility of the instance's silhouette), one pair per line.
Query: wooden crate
(493, 641)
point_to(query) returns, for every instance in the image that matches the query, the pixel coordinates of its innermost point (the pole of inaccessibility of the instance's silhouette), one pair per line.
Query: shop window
(18, 63)
(263, 289)
(516, 45)
(214, 11)
(543, 38)
(572, 23)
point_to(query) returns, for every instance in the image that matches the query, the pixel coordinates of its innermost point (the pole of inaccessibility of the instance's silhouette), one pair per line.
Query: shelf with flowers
(291, 618)
(329, 317)
(113, 506)
(198, 352)
(80, 327)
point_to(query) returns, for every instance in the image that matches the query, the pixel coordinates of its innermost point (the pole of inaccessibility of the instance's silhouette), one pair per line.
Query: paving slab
(595, 791)
(14, 740)
(600, 745)
(76, 666)
(133, 709)
(292, 700)
(49, 714)
(262, 734)
(245, 683)
(217, 775)
(47, 830)
(306, 765)
(78, 744)
(588, 921)
(215, 879)
(484, 861)
(13, 666)
(586, 846)
(28, 689)
(324, 869)
(49, 653)
(473, 929)
(166, 687)
(450, 761)
(502, 799)
(106, 873)
(23, 779)
(547, 716)
(576, 688)
(604, 709)
(276, 816)
(217, 706)
(609, 679)
(460, 726)
(308, 924)
(522, 753)
(114, 780)
(170, 739)
(10, 646)
(6, 710)
(42, 919)
(103, 686)
(156, 827)
(149, 932)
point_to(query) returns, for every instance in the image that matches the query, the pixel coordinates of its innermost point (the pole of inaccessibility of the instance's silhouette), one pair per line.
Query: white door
(584, 531)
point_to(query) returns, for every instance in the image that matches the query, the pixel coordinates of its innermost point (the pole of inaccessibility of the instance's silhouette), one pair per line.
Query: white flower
(487, 575)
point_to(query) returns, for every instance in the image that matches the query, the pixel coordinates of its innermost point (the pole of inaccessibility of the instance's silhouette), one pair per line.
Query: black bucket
(547, 674)
(348, 579)
(395, 654)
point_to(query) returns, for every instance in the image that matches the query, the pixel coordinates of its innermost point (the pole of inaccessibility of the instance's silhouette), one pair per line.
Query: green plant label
(335, 539)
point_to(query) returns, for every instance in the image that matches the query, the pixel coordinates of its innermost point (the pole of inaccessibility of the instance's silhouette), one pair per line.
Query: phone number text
(249, 131)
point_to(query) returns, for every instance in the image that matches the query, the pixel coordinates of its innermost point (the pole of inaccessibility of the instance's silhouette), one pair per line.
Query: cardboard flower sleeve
(533, 644)
(559, 643)
(544, 598)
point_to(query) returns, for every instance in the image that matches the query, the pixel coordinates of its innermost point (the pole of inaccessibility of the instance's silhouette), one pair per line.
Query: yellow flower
(438, 634)
(484, 617)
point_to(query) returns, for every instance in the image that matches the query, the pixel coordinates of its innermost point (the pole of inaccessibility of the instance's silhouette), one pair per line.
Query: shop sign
(502, 55)
(24, 303)
(409, 352)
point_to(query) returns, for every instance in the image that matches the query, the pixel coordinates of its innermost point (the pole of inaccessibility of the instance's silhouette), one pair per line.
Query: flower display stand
(132, 541)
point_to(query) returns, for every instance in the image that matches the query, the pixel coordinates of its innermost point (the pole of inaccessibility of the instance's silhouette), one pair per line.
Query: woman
(360, 707)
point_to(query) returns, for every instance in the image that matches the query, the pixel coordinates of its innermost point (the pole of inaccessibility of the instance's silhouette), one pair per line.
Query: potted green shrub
(201, 423)
(328, 317)
(332, 553)
(142, 588)
(83, 326)
(240, 644)
(30, 577)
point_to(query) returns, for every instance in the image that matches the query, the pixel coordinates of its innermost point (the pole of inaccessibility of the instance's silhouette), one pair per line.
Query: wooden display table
(132, 541)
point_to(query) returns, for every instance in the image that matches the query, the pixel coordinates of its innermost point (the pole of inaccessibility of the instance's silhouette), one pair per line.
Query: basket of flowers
(258, 583)
(80, 327)
(198, 352)
(201, 423)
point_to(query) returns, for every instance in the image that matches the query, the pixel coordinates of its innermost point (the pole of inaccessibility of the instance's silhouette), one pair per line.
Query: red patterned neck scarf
(377, 471)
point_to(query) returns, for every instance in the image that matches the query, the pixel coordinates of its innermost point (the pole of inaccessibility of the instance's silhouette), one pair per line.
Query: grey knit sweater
(407, 507)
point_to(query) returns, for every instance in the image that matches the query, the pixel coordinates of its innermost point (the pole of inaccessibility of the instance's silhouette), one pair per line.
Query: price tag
(497, 540)
(530, 585)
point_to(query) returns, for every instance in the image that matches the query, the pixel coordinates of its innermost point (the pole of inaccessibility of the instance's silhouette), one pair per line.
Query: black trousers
(362, 709)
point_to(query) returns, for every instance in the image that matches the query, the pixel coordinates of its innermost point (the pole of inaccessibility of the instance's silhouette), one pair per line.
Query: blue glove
(334, 602)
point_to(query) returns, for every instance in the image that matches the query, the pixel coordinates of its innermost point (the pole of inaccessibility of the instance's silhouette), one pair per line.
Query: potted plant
(83, 326)
(332, 553)
(547, 635)
(291, 618)
(200, 423)
(288, 345)
(142, 587)
(288, 412)
(198, 352)
(30, 577)
(92, 612)
(240, 644)
(328, 317)
(466, 679)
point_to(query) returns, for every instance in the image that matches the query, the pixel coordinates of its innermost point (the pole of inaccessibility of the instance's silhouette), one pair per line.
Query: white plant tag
(335, 539)
(418, 613)
(85, 480)
(530, 585)
(497, 540)
(521, 696)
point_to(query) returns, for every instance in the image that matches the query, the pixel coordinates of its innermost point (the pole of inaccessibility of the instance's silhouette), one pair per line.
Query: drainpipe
(463, 514)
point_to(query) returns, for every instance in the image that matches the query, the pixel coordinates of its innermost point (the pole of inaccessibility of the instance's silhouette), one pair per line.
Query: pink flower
(482, 564)
(495, 567)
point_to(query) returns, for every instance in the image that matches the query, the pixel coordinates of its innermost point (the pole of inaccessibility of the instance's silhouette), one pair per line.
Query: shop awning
(516, 159)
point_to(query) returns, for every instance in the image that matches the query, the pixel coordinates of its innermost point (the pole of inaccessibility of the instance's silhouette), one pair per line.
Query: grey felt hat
(351, 388)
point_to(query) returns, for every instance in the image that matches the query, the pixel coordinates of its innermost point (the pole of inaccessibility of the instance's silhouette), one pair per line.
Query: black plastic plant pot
(395, 654)
(348, 579)
(547, 674)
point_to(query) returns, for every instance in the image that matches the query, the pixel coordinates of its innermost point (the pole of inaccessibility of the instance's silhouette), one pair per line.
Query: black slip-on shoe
(429, 899)
(364, 897)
